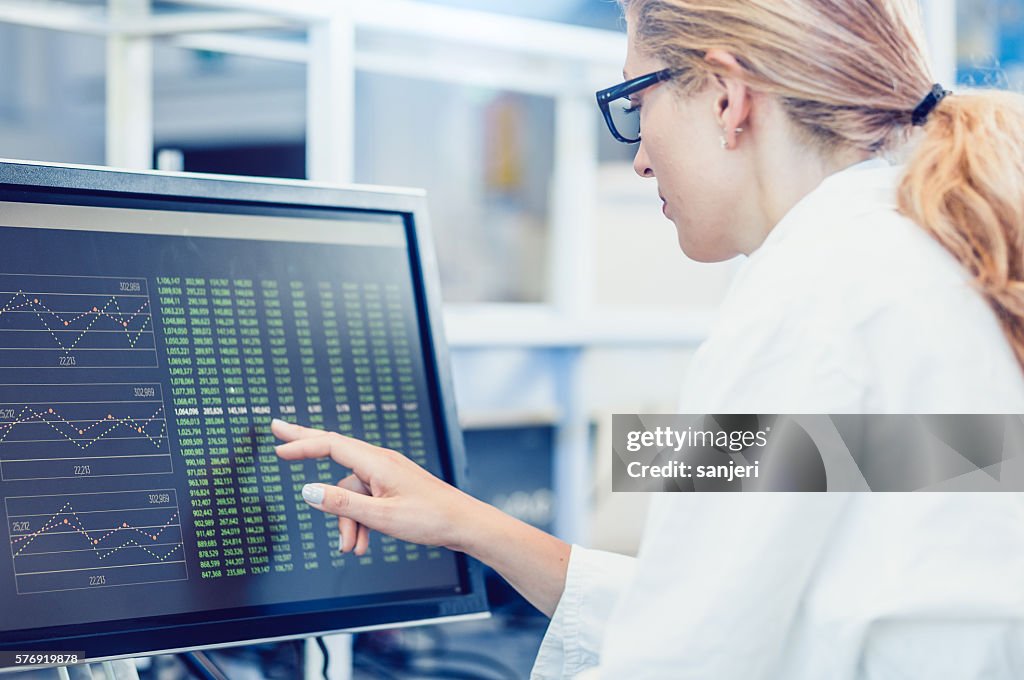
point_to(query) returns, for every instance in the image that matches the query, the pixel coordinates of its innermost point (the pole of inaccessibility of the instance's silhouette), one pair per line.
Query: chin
(704, 251)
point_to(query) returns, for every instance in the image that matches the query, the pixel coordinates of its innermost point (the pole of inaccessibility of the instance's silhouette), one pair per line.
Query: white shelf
(542, 326)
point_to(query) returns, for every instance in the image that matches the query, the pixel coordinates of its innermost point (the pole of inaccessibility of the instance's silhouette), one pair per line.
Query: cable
(200, 664)
(327, 656)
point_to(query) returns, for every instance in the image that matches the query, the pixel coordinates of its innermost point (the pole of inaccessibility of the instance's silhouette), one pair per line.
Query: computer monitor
(151, 325)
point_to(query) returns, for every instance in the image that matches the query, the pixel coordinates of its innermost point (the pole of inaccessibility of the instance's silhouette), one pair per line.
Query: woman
(867, 288)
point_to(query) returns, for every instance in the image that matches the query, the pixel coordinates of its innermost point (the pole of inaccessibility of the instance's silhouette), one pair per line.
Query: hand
(386, 491)
(389, 493)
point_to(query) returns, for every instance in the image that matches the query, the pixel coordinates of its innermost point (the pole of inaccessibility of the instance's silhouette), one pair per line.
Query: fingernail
(277, 421)
(341, 542)
(313, 493)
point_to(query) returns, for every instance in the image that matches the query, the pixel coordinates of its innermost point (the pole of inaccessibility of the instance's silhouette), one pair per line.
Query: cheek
(702, 207)
(680, 158)
(689, 175)
(701, 192)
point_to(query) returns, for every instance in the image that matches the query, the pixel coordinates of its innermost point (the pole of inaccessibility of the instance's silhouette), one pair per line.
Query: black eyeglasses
(622, 117)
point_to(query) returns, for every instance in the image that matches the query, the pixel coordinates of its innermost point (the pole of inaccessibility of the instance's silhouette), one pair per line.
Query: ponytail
(965, 186)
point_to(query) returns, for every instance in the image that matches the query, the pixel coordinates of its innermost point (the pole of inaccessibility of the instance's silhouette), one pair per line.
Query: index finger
(358, 456)
(291, 431)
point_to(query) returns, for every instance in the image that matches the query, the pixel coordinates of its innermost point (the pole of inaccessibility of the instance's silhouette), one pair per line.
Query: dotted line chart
(55, 522)
(121, 319)
(51, 417)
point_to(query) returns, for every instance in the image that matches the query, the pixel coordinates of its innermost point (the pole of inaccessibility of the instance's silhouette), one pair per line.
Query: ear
(734, 98)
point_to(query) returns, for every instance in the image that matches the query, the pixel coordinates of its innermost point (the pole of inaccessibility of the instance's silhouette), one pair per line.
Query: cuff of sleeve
(593, 581)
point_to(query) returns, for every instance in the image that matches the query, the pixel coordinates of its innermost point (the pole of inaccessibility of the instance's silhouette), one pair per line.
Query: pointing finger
(291, 431)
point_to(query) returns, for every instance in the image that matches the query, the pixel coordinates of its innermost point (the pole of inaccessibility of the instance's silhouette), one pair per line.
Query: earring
(725, 142)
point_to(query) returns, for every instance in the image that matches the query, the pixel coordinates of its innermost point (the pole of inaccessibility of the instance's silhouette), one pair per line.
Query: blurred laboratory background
(566, 296)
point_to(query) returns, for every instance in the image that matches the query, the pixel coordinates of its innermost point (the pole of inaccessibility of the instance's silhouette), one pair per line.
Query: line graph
(95, 540)
(75, 322)
(82, 430)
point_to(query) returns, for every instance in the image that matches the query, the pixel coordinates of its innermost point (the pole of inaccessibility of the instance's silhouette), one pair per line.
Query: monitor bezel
(21, 180)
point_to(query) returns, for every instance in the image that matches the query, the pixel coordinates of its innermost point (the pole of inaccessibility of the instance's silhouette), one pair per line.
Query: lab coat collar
(856, 189)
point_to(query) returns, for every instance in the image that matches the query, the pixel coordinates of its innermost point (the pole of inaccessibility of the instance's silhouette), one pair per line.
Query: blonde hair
(849, 74)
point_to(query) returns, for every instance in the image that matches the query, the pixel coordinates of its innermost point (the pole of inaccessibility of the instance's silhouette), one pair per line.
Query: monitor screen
(150, 328)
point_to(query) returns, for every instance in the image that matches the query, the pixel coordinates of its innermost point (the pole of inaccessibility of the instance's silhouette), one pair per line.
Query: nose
(641, 164)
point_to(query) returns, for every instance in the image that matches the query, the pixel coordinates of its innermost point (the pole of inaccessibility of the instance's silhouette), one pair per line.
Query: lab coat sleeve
(593, 582)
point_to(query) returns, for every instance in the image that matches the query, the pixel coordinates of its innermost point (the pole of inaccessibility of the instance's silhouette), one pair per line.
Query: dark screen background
(138, 377)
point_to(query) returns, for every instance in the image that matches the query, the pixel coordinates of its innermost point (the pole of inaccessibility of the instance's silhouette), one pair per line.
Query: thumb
(344, 503)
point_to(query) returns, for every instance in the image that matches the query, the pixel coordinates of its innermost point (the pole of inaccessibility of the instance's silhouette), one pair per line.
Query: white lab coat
(847, 307)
